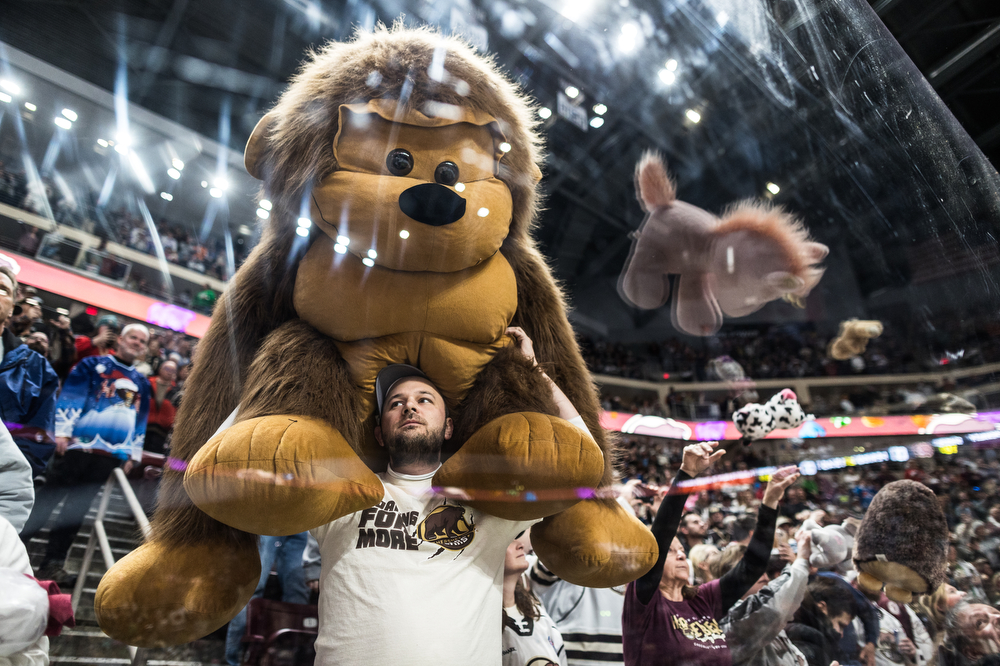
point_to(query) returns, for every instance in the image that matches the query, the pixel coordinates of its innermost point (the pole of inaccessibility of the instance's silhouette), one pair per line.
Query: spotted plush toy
(756, 421)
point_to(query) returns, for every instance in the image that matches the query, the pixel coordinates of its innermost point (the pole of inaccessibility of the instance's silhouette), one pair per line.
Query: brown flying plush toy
(415, 163)
(853, 338)
(902, 542)
(734, 265)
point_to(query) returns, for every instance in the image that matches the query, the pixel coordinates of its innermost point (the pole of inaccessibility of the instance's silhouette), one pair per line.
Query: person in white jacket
(14, 559)
(17, 490)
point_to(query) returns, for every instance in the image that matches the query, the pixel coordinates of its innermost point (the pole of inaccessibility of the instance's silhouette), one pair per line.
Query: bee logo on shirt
(449, 526)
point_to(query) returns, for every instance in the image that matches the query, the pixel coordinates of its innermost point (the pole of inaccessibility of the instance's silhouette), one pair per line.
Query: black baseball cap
(391, 375)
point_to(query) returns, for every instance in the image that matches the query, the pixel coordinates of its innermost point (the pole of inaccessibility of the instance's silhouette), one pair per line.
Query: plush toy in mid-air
(902, 542)
(853, 338)
(732, 265)
(756, 421)
(831, 545)
(403, 170)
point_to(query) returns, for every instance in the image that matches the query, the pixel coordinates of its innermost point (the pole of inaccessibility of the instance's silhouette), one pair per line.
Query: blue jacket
(28, 387)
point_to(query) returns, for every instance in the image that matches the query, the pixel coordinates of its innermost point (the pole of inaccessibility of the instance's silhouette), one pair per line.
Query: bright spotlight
(102, 143)
(302, 231)
(545, 113)
(4, 97)
(404, 234)
(338, 248)
(483, 212)
(343, 240)
(368, 262)
(772, 188)
(265, 204)
(671, 65)
(30, 107)
(596, 122)
(177, 164)
(62, 122)
(173, 173)
(262, 214)
(204, 183)
(504, 147)
(372, 254)
(305, 223)
(70, 115)
(215, 192)
(166, 196)
(10, 86)
(722, 18)
(667, 76)
(459, 187)
(221, 183)
(600, 109)
(572, 92)
(121, 148)
(693, 116)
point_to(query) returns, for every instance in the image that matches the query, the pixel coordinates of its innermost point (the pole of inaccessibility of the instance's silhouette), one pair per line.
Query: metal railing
(99, 537)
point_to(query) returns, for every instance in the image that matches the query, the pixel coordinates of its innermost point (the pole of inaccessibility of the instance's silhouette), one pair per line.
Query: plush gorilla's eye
(446, 173)
(399, 162)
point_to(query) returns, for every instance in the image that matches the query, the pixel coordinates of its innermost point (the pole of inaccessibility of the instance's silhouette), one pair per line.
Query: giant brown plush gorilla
(403, 171)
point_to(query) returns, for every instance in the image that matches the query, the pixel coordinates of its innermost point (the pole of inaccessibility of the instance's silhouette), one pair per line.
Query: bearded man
(416, 579)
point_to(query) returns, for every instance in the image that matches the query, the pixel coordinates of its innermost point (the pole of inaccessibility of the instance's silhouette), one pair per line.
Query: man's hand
(699, 457)
(780, 480)
(907, 647)
(62, 322)
(523, 342)
(62, 443)
(804, 540)
(786, 553)
(104, 339)
(867, 655)
(127, 467)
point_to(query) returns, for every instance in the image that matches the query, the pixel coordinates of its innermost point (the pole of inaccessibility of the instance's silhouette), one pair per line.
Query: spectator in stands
(663, 615)
(23, 610)
(161, 407)
(701, 558)
(742, 530)
(819, 623)
(37, 342)
(62, 344)
(972, 632)
(100, 425)
(284, 554)
(692, 532)
(102, 342)
(755, 627)
(204, 300)
(932, 609)
(17, 492)
(530, 637)
(27, 313)
(28, 386)
(29, 241)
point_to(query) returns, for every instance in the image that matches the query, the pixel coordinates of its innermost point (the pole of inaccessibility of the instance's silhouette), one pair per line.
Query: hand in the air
(699, 457)
(780, 480)
(804, 540)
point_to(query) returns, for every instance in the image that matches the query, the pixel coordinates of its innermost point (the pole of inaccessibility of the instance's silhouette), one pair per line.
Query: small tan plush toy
(853, 338)
(902, 542)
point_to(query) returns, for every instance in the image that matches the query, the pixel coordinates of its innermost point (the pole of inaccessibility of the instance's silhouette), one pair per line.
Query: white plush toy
(831, 545)
(755, 421)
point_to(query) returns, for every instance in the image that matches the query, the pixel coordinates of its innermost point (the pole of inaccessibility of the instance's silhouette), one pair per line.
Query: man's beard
(406, 448)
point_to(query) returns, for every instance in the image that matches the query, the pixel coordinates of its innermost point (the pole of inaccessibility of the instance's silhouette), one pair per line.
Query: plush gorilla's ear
(256, 145)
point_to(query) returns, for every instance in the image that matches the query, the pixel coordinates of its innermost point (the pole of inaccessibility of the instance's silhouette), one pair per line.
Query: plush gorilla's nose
(432, 204)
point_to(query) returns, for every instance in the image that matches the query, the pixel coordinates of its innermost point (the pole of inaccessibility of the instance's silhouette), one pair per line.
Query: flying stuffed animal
(902, 542)
(403, 172)
(853, 338)
(732, 265)
(756, 421)
(832, 544)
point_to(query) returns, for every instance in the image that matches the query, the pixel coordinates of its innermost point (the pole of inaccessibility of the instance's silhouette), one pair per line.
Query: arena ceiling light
(693, 116)
(221, 183)
(215, 192)
(30, 107)
(600, 109)
(177, 164)
(70, 115)
(102, 143)
(4, 97)
(772, 188)
(667, 76)
(265, 204)
(63, 123)
(572, 92)
(173, 173)
(628, 40)
(166, 196)
(671, 65)
(545, 113)
(504, 147)
(596, 122)
(10, 86)
(263, 214)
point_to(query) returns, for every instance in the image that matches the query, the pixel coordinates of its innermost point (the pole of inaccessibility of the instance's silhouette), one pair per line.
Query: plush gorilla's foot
(596, 543)
(280, 475)
(159, 595)
(524, 466)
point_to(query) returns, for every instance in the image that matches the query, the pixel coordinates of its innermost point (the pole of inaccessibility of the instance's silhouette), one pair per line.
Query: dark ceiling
(812, 94)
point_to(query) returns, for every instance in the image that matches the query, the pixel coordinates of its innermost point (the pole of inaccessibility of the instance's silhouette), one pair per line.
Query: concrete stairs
(86, 643)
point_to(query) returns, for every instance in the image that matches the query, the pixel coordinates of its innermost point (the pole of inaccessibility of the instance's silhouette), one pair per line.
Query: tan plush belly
(451, 364)
(348, 301)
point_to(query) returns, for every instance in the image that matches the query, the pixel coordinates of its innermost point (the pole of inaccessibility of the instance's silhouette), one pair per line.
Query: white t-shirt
(529, 642)
(415, 580)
